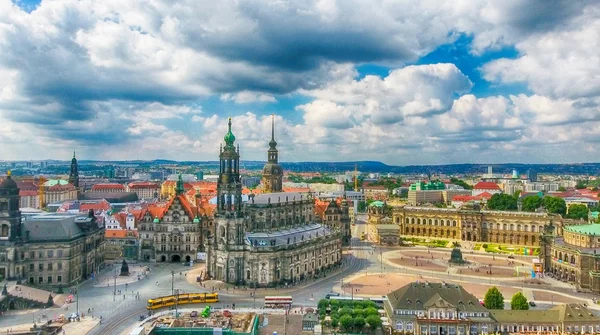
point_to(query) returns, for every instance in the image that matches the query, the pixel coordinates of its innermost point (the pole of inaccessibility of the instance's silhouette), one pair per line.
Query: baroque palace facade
(175, 231)
(272, 238)
(574, 257)
(467, 224)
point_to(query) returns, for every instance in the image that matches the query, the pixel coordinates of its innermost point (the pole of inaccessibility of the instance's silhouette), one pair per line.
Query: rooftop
(486, 185)
(587, 229)
(295, 235)
(418, 295)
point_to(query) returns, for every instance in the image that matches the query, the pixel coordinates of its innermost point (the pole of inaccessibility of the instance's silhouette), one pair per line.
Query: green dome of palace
(196, 220)
(156, 220)
(229, 137)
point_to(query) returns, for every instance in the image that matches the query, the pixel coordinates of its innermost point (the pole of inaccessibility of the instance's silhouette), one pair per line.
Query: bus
(182, 299)
(278, 302)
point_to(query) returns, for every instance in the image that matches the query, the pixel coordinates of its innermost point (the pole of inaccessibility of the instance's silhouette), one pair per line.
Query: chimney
(91, 213)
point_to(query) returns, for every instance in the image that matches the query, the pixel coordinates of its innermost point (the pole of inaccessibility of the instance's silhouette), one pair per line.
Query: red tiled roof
(25, 193)
(58, 187)
(122, 219)
(108, 187)
(119, 233)
(27, 186)
(486, 185)
(321, 207)
(101, 205)
(143, 185)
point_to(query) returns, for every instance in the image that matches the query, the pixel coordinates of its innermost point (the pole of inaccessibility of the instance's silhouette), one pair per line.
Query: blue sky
(399, 82)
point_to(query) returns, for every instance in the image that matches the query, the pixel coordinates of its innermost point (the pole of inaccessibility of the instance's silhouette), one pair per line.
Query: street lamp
(77, 297)
(172, 282)
(115, 286)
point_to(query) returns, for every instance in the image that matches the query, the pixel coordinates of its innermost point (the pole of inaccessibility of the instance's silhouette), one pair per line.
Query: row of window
(49, 280)
(49, 266)
(174, 248)
(484, 225)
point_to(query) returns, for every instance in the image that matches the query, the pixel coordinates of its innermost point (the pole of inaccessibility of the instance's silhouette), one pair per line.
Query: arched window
(407, 220)
(4, 231)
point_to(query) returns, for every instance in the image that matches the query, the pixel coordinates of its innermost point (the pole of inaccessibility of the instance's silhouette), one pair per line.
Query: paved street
(121, 310)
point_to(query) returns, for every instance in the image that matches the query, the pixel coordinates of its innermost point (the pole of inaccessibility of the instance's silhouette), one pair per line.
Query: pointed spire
(8, 173)
(73, 153)
(273, 143)
(179, 189)
(229, 138)
(272, 127)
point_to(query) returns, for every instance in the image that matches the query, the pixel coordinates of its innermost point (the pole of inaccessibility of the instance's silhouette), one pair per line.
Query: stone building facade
(518, 228)
(173, 232)
(423, 308)
(271, 239)
(574, 257)
(47, 250)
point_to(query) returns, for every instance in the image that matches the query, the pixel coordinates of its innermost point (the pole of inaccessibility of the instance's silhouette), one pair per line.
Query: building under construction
(222, 322)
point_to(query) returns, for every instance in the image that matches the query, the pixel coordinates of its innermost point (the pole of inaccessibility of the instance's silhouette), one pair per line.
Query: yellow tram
(182, 299)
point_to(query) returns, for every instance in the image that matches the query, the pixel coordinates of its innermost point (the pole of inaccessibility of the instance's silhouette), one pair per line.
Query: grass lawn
(505, 249)
(433, 243)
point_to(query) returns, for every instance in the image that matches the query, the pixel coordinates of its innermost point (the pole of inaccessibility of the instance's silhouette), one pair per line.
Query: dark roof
(278, 197)
(418, 295)
(280, 237)
(9, 183)
(111, 196)
(53, 227)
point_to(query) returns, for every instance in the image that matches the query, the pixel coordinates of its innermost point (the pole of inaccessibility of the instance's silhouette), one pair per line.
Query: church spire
(272, 153)
(179, 188)
(74, 154)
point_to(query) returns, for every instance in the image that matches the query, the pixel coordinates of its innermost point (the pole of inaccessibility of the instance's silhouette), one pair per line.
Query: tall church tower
(229, 185)
(272, 172)
(74, 174)
(225, 257)
(10, 215)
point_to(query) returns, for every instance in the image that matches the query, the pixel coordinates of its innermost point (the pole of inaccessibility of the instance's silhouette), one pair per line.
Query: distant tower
(490, 172)
(74, 175)
(179, 188)
(272, 172)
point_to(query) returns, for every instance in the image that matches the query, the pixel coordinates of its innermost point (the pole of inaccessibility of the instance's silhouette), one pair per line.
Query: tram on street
(182, 299)
(278, 302)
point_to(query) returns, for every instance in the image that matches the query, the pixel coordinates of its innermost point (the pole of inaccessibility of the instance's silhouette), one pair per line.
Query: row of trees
(554, 205)
(495, 300)
(350, 315)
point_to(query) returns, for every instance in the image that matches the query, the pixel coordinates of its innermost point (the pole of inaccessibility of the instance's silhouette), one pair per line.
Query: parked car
(194, 314)
(532, 304)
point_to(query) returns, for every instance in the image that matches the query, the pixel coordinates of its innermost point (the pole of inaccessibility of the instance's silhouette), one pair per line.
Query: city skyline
(401, 83)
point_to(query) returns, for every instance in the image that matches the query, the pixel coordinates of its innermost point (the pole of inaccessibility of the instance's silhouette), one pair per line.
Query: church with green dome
(271, 239)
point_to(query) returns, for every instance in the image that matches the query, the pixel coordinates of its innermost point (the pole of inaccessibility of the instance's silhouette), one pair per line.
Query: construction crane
(42, 191)
(355, 177)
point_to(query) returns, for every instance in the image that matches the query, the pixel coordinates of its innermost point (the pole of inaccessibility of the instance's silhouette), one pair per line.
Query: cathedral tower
(229, 186)
(74, 174)
(272, 172)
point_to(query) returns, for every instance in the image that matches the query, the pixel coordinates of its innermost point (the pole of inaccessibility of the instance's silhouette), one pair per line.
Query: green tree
(346, 322)
(374, 321)
(323, 303)
(502, 202)
(493, 299)
(359, 322)
(370, 311)
(335, 322)
(555, 205)
(531, 203)
(462, 183)
(561, 189)
(362, 206)
(578, 211)
(519, 302)
(346, 311)
(580, 185)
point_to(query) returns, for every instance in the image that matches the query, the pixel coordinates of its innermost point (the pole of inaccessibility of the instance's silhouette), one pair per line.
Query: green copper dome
(229, 137)
(156, 220)
(196, 220)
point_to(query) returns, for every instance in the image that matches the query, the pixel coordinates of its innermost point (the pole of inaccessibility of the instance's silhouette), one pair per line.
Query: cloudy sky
(403, 82)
